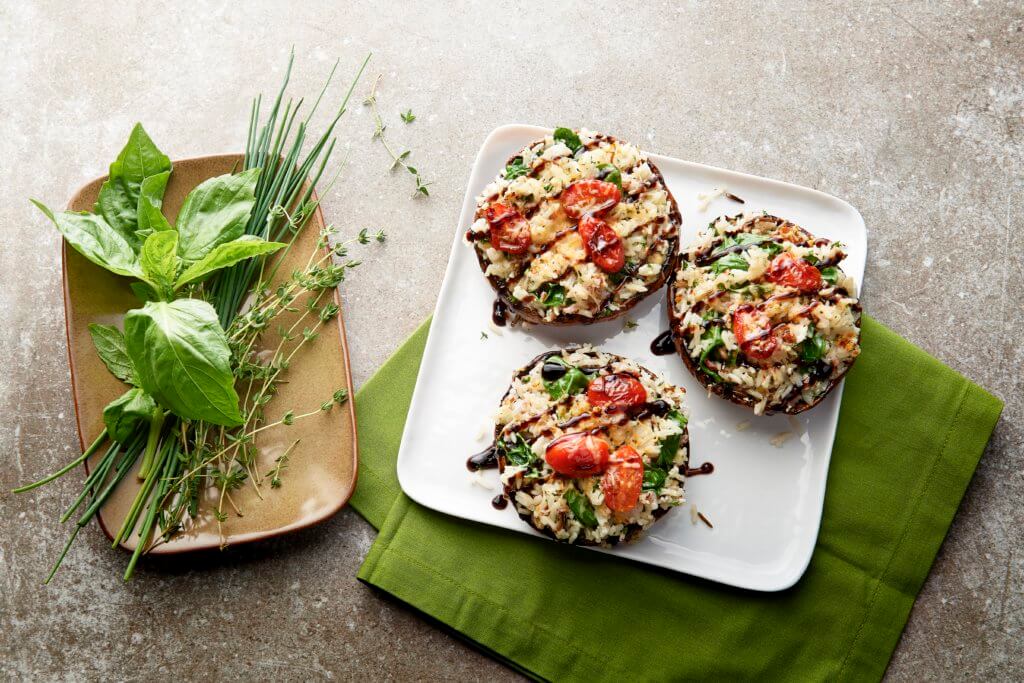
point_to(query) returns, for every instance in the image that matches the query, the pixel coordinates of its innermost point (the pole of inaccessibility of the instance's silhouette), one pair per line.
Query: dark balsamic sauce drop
(487, 459)
(500, 502)
(706, 468)
(499, 314)
(663, 344)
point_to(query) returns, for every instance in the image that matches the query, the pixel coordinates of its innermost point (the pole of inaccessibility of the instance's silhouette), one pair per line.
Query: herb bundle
(197, 385)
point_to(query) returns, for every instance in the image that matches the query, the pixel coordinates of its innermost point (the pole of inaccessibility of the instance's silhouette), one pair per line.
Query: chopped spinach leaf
(715, 335)
(830, 275)
(812, 348)
(552, 295)
(610, 174)
(517, 452)
(670, 444)
(654, 479)
(581, 508)
(516, 168)
(569, 138)
(729, 262)
(572, 382)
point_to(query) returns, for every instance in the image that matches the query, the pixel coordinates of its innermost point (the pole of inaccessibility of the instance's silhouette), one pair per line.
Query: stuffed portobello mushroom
(592, 447)
(577, 228)
(762, 314)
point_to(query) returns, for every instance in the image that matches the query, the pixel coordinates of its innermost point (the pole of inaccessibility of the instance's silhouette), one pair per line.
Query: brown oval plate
(321, 471)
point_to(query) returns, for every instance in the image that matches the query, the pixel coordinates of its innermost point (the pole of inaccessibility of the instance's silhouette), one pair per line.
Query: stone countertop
(913, 112)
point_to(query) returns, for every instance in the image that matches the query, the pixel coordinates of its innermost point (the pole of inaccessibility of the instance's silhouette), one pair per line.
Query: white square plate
(764, 500)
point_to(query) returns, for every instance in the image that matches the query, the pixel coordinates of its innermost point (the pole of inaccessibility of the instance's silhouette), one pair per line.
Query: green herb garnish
(572, 382)
(581, 508)
(398, 159)
(812, 348)
(517, 451)
(830, 274)
(714, 334)
(670, 444)
(729, 262)
(552, 295)
(516, 168)
(569, 138)
(408, 116)
(609, 174)
(654, 479)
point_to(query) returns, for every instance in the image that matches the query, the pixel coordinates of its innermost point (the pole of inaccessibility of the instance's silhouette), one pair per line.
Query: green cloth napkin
(910, 433)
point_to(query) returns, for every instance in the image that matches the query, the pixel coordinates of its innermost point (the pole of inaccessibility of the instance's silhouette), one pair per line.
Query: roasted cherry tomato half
(589, 197)
(623, 479)
(789, 271)
(617, 389)
(510, 231)
(753, 330)
(603, 244)
(578, 455)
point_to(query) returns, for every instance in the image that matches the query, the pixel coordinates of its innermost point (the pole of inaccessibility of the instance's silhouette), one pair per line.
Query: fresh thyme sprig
(398, 159)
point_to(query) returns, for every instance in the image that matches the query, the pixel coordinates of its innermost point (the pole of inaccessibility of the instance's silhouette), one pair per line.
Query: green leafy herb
(91, 236)
(516, 168)
(812, 348)
(811, 258)
(572, 382)
(151, 196)
(397, 159)
(581, 508)
(517, 451)
(630, 324)
(225, 255)
(568, 138)
(610, 174)
(830, 274)
(729, 262)
(118, 200)
(159, 260)
(654, 479)
(408, 116)
(215, 212)
(109, 343)
(670, 444)
(552, 295)
(181, 358)
(714, 335)
(124, 414)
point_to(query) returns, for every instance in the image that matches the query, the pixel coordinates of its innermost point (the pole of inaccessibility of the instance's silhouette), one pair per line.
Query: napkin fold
(910, 434)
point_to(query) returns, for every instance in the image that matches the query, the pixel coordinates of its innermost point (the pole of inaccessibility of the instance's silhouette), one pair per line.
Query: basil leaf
(153, 217)
(124, 414)
(517, 452)
(830, 274)
(581, 508)
(812, 348)
(572, 382)
(215, 212)
(90, 235)
(812, 259)
(109, 343)
(609, 174)
(144, 292)
(182, 359)
(569, 138)
(118, 200)
(151, 196)
(729, 262)
(654, 479)
(159, 259)
(716, 341)
(552, 295)
(670, 444)
(516, 168)
(224, 255)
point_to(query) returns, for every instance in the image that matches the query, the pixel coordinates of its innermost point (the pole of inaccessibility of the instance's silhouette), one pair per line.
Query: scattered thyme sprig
(397, 159)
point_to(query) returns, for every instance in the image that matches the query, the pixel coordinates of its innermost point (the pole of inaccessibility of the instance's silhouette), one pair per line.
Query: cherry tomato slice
(623, 479)
(603, 244)
(789, 271)
(578, 455)
(510, 232)
(590, 197)
(617, 390)
(753, 330)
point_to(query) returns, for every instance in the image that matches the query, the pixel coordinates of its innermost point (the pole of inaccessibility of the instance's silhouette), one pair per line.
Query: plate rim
(783, 580)
(238, 539)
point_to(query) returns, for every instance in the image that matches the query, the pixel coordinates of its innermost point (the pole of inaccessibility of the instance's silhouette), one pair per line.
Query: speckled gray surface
(914, 112)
